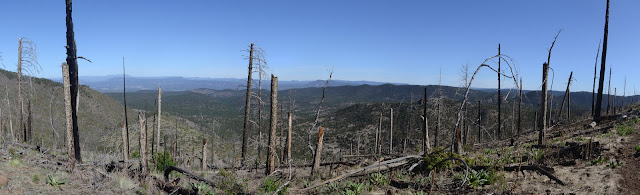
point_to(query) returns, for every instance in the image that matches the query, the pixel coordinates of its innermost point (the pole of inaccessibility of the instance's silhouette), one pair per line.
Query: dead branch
(315, 122)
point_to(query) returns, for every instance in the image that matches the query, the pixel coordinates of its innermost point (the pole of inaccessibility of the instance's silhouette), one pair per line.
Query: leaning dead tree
(72, 61)
(124, 100)
(456, 147)
(543, 99)
(27, 62)
(602, 65)
(315, 122)
(271, 157)
(566, 94)
(593, 90)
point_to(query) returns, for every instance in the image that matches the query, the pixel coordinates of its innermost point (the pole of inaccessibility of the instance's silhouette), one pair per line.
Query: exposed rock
(593, 124)
(4, 181)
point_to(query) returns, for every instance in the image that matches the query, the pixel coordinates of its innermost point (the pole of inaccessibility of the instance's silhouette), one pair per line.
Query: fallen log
(540, 169)
(369, 169)
(186, 173)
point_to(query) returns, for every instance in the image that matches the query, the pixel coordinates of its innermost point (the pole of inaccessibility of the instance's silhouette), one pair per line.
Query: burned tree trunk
(593, 90)
(435, 141)
(29, 129)
(281, 133)
(124, 98)
(317, 156)
(204, 154)
(125, 152)
(144, 164)
(288, 146)
(569, 105)
(426, 147)
(391, 134)
(543, 104)
(271, 157)
(247, 109)
(159, 119)
(602, 65)
(20, 116)
(566, 94)
(68, 115)
(609, 93)
(520, 109)
(499, 98)
(379, 135)
(478, 123)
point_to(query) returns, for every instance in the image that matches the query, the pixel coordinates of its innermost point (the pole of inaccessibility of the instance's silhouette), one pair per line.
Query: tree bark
(566, 94)
(391, 134)
(426, 147)
(159, 119)
(543, 104)
(379, 137)
(499, 99)
(247, 109)
(593, 90)
(271, 158)
(144, 164)
(520, 109)
(125, 153)
(281, 133)
(602, 65)
(204, 154)
(288, 146)
(609, 93)
(318, 154)
(20, 98)
(479, 124)
(68, 112)
(29, 129)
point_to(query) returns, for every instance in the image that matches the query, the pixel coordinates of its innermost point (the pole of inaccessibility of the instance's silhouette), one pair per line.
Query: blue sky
(391, 41)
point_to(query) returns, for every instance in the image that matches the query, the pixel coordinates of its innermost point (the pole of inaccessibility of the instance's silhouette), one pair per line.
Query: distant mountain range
(113, 83)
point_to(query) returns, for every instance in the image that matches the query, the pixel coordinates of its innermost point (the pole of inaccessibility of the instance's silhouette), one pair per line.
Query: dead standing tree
(602, 65)
(247, 109)
(315, 122)
(271, 157)
(71, 104)
(159, 120)
(27, 62)
(543, 99)
(566, 94)
(144, 164)
(593, 90)
(426, 147)
(457, 148)
(126, 119)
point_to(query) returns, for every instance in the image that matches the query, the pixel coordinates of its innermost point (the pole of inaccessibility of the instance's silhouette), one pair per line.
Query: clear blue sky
(391, 41)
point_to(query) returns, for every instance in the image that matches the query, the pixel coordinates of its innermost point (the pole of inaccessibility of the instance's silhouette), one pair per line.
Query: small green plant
(537, 154)
(270, 185)
(638, 149)
(378, 179)
(202, 188)
(598, 160)
(15, 163)
(36, 178)
(624, 129)
(436, 159)
(466, 147)
(125, 182)
(135, 155)
(353, 188)
(615, 164)
(55, 182)
(164, 160)
(478, 178)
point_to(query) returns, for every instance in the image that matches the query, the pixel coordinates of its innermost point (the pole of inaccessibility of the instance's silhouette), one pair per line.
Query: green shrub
(202, 188)
(36, 178)
(164, 160)
(478, 178)
(378, 179)
(624, 129)
(537, 154)
(135, 155)
(55, 182)
(431, 161)
(353, 188)
(598, 160)
(638, 149)
(615, 164)
(270, 185)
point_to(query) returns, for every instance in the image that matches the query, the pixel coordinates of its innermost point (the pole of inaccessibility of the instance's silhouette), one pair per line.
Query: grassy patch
(624, 129)
(125, 182)
(202, 188)
(54, 181)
